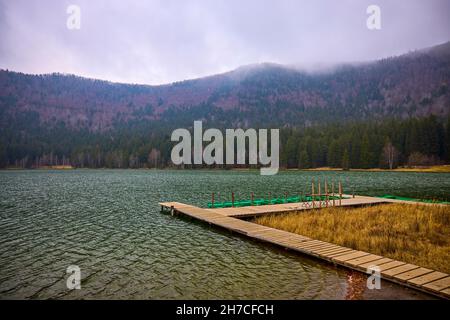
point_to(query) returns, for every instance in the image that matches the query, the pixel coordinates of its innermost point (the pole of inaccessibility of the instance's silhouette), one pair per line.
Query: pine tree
(290, 152)
(304, 162)
(333, 156)
(345, 163)
(365, 159)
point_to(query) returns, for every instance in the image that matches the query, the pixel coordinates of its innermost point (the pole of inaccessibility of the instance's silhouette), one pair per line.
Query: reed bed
(418, 234)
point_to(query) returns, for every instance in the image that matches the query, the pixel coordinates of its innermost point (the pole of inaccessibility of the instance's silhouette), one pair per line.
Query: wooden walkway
(427, 280)
(252, 211)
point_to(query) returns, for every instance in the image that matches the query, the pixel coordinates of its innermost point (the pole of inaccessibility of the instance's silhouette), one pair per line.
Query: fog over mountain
(157, 42)
(414, 84)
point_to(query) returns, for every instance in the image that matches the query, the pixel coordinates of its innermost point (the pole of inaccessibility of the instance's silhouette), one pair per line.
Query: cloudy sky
(161, 41)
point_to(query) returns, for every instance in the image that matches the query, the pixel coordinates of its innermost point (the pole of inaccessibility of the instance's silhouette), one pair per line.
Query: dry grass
(417, 234)
(442, 168)
(439, 168)
(61, 167)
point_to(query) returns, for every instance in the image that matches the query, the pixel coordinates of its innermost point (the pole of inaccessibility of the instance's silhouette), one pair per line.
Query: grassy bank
(438, 169)
(59, 167)
(441, 168)
(411, 233)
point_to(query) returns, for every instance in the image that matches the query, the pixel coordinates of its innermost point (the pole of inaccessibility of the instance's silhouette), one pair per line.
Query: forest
(356, 144)
(383, 114)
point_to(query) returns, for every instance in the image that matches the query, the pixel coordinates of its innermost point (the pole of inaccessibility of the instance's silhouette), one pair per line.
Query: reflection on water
(356, 285)
(108, 223)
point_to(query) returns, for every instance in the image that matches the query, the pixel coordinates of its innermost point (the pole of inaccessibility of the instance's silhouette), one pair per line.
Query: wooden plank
(445, 292)
(285, 240)
(390, 265)
(292, 237)
(362, 260)
(311, 244)
(304, 246)
(174, 204)
(375, 262)
(286, 243)
(335, 255)
(315, 243)
(272, 230)
(295, 242)
(292, 242)
(313, 251)
(397, 270)
(331, 248)
(436, 275)
(336, 247)
(276, 235)
(351, 256)
(438, 285)
(274, 238)
(331, 253)
(269, 233)
(413, 274)
(318, 252)
(323, 246)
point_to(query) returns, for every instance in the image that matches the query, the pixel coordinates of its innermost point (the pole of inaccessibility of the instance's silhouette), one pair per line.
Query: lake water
(108, 223)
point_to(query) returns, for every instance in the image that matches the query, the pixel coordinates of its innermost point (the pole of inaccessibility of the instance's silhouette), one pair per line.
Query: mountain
(351, 110)
(414, 84)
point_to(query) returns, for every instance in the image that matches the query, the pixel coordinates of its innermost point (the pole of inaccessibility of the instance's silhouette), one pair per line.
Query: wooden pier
(253, 211)
(423, 279)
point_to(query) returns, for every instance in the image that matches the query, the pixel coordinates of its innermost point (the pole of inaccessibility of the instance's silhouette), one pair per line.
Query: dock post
(326, 193)
(332, 191)
(172, 210)
(320, 195)
(270, 197)
(252, 198)
(340, 193)
(232, 199)
(212, 200)
(312, 192)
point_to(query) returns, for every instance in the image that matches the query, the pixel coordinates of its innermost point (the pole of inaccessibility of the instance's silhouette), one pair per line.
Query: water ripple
(108, 223)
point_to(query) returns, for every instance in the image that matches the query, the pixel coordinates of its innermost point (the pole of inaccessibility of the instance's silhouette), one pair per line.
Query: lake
(108, 223)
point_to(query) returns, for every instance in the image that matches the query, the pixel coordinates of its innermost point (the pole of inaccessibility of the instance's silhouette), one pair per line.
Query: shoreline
(430, 169)
(434, 169)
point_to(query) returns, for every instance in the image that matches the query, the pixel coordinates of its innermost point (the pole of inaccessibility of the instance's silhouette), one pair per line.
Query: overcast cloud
(163, 41)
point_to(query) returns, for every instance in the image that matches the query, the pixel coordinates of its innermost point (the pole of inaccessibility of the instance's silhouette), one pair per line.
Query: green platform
(389, 196)
(261, 201)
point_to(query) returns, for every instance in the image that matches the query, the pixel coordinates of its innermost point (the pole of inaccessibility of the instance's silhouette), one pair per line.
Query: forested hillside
(382, 114)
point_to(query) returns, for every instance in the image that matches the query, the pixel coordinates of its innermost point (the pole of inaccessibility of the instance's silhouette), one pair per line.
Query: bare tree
(390, 154)
(153, 157)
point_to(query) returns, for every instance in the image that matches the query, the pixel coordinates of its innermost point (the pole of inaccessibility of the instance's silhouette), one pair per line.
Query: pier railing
(315, 199)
